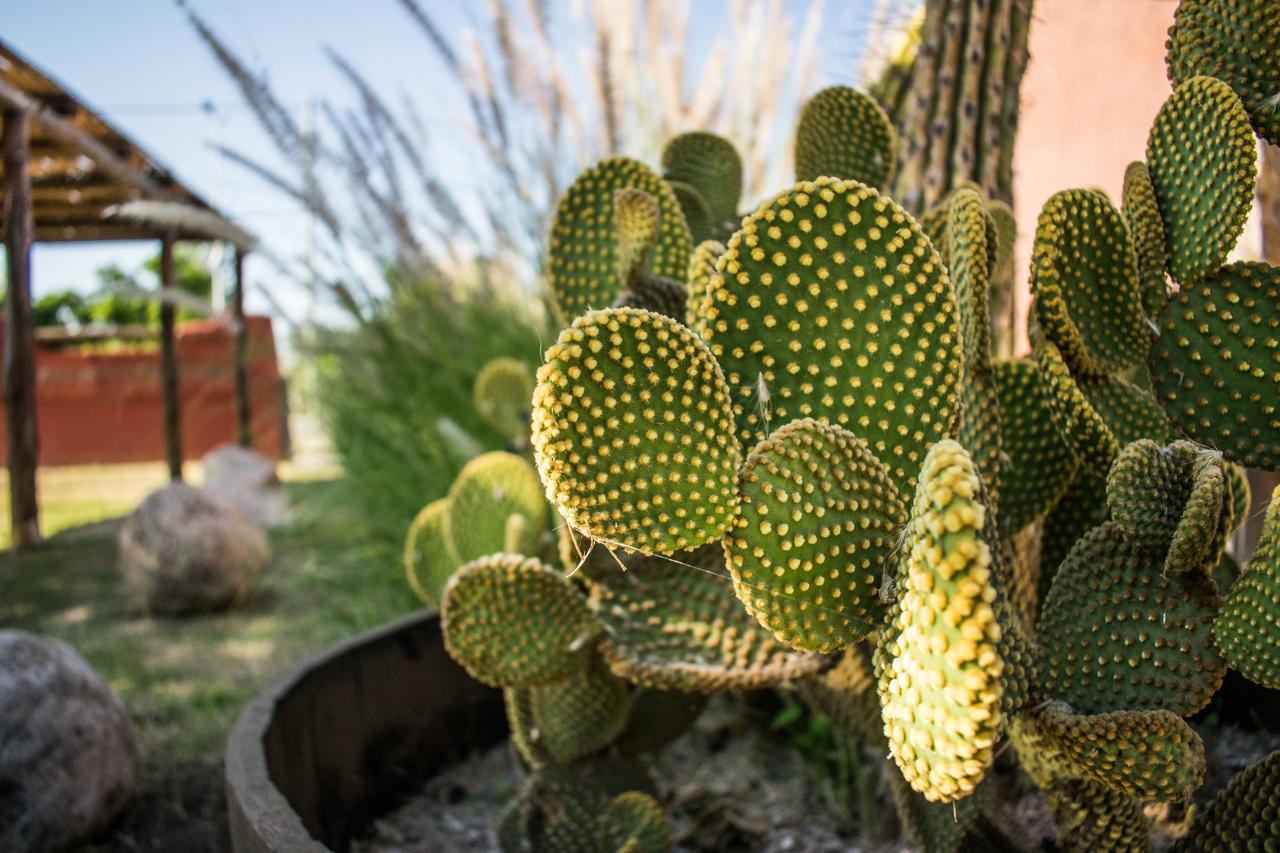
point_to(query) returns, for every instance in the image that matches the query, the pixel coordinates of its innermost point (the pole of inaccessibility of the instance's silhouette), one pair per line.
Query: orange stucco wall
(1094, 82)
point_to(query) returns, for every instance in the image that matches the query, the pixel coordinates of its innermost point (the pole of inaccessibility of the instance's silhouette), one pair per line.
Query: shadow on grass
(183, 681)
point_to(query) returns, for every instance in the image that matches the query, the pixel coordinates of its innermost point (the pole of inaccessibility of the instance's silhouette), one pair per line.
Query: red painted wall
(107, 407)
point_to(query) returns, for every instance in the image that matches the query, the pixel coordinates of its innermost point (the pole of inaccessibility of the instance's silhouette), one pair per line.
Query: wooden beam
(19, 349)
(96, 230)
(169, 363)
(243, 419)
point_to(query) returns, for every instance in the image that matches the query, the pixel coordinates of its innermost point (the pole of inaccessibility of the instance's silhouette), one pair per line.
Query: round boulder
(246, 479)
(68, 763)
(185, 551)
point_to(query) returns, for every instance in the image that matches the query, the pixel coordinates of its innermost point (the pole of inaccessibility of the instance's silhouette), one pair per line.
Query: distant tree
(64, 308)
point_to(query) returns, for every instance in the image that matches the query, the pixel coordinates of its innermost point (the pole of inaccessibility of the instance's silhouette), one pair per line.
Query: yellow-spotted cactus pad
(1202, 157)
(817, 524)
(1037, 463)
(970, 260)
(1117, 633)
(1092, 818)
(1248, 629)
(702, 267)
(583, 253)
(1151, 250)
(678, 626)
(428, 557)
(1079, 424)
(501, 395)
(938, 665)
(1084, 282)
(979, 430)
(578, 715)
(636, 219)
(633, 823)
(1238, 42)
(633, 432)
(513, 622)
(489, 490)
(843, 133)
(1082, 507)
(710, 164)
(831, 303)
(1147, 755)
(1244, 816)
(1216, 366)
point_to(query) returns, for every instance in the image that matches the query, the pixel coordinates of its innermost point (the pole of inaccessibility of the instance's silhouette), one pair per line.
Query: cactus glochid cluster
(779, 452)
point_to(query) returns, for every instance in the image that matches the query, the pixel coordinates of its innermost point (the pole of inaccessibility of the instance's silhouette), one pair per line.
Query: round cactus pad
(578, 715)
(1216, 367)
(1037, 463)
(513, 622)
(501, 394)
(843, 133)
(817, 524)
(831, 303)
(633, 432)
(1248, 629)
(938, 664)
(1202, 156)
(711, 165)
(489, 490)
(429, 559)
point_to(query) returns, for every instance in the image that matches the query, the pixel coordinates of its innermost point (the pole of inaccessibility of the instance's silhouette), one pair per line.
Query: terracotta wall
(107, 407)
(1093, 85)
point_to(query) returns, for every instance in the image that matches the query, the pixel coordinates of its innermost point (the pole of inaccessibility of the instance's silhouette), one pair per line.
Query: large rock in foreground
(68, 763)
(186, 551)
(248, 481)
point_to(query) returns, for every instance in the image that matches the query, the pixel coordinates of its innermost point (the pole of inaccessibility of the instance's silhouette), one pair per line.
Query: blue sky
(141, 64)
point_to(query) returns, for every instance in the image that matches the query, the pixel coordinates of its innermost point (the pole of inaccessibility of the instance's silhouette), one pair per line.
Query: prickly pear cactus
(1248, 629)
(843, 133)
(501, 396)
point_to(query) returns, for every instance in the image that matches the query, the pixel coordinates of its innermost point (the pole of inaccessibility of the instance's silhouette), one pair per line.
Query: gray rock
(247, 480)
(184, 551)
(68, 763)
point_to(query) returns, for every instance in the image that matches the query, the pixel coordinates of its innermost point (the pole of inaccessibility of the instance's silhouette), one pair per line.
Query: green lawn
(184, 681)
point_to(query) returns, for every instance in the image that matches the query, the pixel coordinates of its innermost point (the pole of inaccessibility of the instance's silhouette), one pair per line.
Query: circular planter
(337, 740)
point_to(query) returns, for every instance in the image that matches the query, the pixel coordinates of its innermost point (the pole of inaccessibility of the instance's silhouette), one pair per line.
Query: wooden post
(19, 341)
(169, 362)
(244, 433)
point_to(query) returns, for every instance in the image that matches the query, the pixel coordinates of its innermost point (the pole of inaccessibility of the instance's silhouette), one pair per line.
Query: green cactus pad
(1082, 507)
(697, 213)
(1006, 222)
(1146, 229)
(846, 694)
(658, 717)
(565, 802)
(833, 303)
(583, 254)
(513, 622)
(1037, 464)
(711, 165)
(1079, 424)
(979, 430)
(1147, 755)
(1248, 629)
(580, 714)
(817, 523)
(633, 823)
(636, 220)
(1215, 368)
(844, 134)
(1084, 283)
(678, 626)
(501, 394)
(938, 664)
(929, 826)
(1092, 818)
(428, 557)
(934, 223)
(1202, 157)
(633, 432)
(1116, 633)
(1238, 42)
(702, 267)
(524, 735)
(1243, 816)
(969, 262)
(659, 295)
(490, 489)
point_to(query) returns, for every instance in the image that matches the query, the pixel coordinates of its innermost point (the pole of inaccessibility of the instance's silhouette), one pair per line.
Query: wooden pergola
(69, 176)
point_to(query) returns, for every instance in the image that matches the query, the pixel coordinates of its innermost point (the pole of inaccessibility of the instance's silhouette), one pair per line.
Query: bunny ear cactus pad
(833, 303)
(633, 823)
(1079, 425)
(633, 432)
(817, 522)
(1147, 755)
(969, 264)
(1243, 816)
(489, 490)
(513, 622)
(1238, 42)
(578, 715)
(636, 218)
(1248, 629)
(938, 665)
(1116, 633)
(1202, 157)
(583, 254)
(702, 266)
(1084, 280)
(697, 213)
(678, 626)
(428, 556)
(843, 133)
(711, 165)
(501, 395)
(1038, 465)
(1146, 229)
(933, 827)
(1216, 365)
